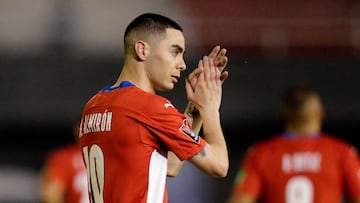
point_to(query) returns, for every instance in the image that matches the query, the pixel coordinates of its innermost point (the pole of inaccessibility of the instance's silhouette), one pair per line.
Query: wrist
(192, 111)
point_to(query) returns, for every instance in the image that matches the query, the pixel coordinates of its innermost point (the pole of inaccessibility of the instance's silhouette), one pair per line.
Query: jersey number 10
(94, 161)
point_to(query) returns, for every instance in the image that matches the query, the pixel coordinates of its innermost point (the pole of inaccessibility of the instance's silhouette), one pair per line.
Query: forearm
(174, 165)
(214, 138)
(213, 159)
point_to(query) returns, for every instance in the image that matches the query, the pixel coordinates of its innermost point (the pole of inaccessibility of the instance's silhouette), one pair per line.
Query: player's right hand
(208, 91)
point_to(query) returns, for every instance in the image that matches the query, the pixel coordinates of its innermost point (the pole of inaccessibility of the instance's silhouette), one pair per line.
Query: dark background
(54, 55)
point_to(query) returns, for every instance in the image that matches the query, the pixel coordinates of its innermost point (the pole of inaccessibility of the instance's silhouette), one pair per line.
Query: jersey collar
(123, 84)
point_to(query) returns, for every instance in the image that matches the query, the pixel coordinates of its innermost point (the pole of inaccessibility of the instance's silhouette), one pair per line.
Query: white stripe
(157, 178)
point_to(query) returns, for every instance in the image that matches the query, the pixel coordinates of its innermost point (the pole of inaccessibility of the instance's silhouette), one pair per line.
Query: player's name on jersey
(96, 122)
(301, 162)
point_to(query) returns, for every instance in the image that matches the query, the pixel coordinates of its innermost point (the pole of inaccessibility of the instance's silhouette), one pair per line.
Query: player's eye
(175, 52)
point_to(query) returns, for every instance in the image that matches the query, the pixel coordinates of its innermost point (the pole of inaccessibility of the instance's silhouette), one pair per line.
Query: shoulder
(150, 102)
(337, 143)
(141, 98)
(332, 139)
(129, 98)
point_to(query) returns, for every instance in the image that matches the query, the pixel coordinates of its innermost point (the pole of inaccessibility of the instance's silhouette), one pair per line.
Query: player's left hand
(218, 55)
(220, 60)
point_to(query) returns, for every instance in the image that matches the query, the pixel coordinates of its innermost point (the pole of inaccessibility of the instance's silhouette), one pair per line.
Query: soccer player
(63, 176)
(301, 165)
(132, 138)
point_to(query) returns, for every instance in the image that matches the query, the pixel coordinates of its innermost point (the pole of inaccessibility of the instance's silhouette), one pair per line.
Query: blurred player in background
(302, 165)
(132, 138)
(63, 178)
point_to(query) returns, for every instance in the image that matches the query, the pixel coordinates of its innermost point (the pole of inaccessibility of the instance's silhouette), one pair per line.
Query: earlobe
(141, 50)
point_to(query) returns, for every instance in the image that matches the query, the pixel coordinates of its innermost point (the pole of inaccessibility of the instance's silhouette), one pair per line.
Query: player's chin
(166, 87)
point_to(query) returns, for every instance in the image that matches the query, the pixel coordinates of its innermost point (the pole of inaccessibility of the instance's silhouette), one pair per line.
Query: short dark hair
(148, 23)
(293, 101)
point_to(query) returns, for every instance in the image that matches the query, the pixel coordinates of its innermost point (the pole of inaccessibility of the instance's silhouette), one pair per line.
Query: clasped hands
(204, 84)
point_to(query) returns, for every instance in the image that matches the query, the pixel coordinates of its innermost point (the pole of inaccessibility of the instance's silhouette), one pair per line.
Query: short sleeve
(172, 129)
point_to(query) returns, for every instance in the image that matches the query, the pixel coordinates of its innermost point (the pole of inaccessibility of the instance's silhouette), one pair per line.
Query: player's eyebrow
(178, 47)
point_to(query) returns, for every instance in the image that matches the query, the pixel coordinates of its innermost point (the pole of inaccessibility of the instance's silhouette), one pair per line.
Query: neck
(304, 129)
(135, 74)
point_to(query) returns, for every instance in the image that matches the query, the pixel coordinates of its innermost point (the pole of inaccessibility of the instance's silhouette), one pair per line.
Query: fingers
(193, 77)
(204, 84)
(207, 71)
(211, 73)
(201, 73)
(219, 57)
(221, 62)
(223, 76)
(189, 89)
(195, 73)
(213, 70)
(214, 53)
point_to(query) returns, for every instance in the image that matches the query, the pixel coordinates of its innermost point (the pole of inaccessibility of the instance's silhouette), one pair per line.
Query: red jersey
(125, 136)
(320, 169)
(66, 167)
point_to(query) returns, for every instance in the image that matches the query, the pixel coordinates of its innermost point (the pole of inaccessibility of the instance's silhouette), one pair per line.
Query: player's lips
(175, 78)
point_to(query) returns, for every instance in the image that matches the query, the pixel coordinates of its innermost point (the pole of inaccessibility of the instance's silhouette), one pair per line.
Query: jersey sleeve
(351, 168)
(248, 178)
(172, 129)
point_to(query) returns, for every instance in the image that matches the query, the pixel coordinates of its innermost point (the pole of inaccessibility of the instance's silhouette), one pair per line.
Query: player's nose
(182, 65)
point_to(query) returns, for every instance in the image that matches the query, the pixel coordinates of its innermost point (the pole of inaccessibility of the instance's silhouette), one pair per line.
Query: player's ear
(142, 49)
